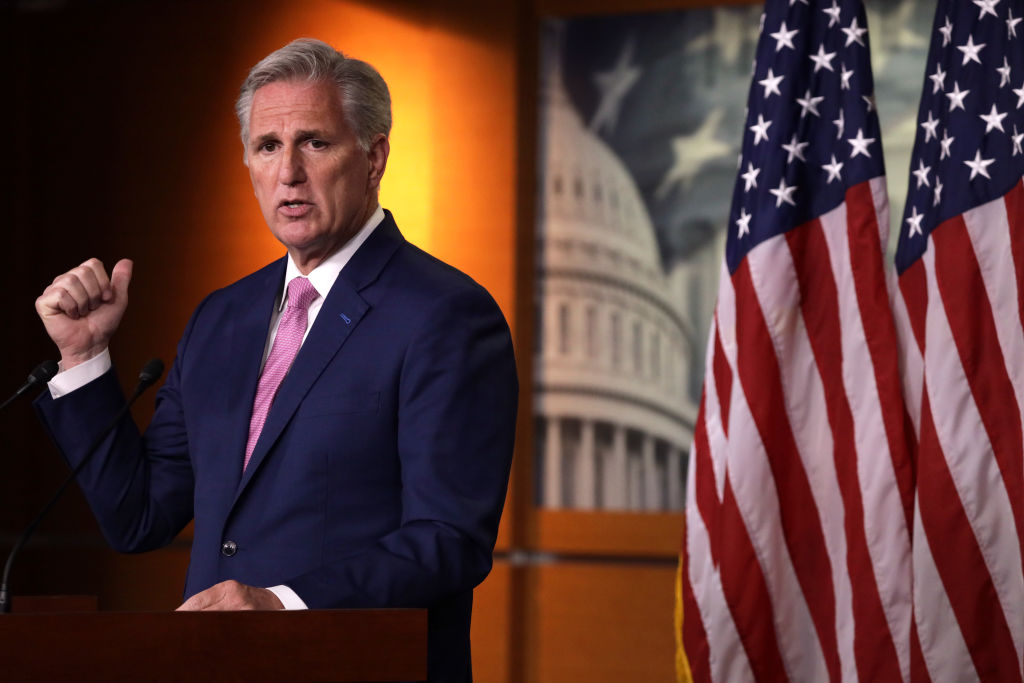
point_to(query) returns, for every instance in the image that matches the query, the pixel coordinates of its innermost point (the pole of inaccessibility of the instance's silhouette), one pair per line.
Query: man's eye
(317, 144)
(267, 147)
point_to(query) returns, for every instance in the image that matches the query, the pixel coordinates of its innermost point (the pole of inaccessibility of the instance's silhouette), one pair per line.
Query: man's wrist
(288, 597)
(77, 376)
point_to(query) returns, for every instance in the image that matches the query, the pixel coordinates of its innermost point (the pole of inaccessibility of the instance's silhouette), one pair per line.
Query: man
(370, 471)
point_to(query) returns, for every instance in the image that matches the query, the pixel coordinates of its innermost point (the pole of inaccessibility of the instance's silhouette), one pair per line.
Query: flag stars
(860, 144)
(970, 51)
(823, 60)
(1004, 73)
(833, 170)
(1011, 24)
(844, 76)
(986, 7)
(869, 100)
(914, 221)
(1017, 138)
(840, 124)
(833, 14)
(784, 193)
(938, 79)
(743, 223)
(993, 119)
(1019, 92)
(938, 192)
(760, 129)
(930, 127)
(979, 165)
(947, 32)
(809, 104)
(771, 84)
(854, 34)
(750, 177)
(946, 141)
(922, 174)
(795, 148)
(784, 37)
(956, 98)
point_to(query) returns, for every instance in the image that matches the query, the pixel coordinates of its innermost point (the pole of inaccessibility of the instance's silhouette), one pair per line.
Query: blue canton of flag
(812, 130)
(968, 145)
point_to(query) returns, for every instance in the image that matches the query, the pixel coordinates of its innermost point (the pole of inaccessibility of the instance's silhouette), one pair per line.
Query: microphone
(150, 373)
(43, 373)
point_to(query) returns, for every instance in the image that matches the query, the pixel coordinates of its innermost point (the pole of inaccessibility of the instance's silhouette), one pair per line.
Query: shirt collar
(323, 276)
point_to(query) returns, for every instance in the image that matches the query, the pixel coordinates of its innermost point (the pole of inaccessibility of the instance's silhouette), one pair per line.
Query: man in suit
(339, 424)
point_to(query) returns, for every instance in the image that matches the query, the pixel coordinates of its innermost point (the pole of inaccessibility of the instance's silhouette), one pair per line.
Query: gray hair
(365, 99)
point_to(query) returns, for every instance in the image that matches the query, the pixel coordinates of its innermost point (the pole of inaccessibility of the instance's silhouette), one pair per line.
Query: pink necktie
(286, 345)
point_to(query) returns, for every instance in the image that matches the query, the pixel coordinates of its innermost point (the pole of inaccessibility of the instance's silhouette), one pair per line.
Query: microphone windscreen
(151, 371)
(43, 372)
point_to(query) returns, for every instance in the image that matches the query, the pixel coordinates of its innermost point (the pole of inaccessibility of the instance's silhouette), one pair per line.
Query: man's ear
(378, 158)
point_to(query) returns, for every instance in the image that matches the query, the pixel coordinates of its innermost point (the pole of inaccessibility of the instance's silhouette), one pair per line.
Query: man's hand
(231, 595)
(82, 309)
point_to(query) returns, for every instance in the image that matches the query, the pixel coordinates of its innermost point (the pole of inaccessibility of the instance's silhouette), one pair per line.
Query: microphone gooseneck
(151, 372)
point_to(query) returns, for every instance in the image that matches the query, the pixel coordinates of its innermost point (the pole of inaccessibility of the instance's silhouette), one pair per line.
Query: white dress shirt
(322, 278)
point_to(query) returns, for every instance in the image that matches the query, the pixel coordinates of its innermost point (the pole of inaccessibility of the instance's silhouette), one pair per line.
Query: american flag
(960, 261)
(796, 557)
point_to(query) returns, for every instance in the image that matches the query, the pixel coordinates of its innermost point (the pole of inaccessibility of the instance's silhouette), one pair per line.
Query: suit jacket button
(228, 548)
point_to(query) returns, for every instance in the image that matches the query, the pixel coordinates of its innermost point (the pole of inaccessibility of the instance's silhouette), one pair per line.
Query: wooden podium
(315, 645)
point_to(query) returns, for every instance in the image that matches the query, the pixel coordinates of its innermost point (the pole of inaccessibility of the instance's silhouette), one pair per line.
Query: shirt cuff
(66, 381)
(288, 597)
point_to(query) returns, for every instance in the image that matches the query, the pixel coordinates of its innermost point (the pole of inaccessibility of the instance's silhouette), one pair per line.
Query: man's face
(315, 185)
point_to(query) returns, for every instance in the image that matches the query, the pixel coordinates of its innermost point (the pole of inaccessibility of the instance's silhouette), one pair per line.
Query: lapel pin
(348, 320)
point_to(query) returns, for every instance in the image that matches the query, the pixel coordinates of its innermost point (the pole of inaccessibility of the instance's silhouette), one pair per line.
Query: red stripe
(761, 380)
(704, 477)
(746, 593)
(695, 638)
(960, 563)
(874, 651)
(914, 287)
(880, 332)
(970, 315)
(1015, 215)
(918, 669)
(723, 379)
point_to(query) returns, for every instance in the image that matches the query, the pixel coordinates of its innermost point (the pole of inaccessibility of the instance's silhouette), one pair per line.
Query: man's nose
(291, 171)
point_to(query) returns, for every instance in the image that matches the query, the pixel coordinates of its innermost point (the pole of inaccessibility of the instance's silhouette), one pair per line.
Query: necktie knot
(301, 293)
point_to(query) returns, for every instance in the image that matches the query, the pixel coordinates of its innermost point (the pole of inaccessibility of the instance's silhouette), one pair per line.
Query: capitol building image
(614, 350)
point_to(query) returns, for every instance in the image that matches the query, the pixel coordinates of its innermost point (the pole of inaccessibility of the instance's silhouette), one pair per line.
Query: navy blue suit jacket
(379, 477)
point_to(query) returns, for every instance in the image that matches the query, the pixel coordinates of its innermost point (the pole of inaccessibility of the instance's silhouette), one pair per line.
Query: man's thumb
(120, 276)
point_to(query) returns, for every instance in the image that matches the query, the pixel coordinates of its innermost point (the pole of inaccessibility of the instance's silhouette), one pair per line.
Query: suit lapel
(341, 313)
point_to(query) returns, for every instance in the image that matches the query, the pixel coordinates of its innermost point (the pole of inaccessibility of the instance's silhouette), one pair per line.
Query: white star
(854, 33)
(771, 84)
(922, 174)
(914, 220)
(970, 50)
(993, 119)
(833, 14)
(1011, 24)
(691, 153)
(760, 129)
(1019, 92)
(930, 127)
(987, 7)
(795, 149)
(783, 37)
(938, 79)
(823, 59)
(845, 76)
(946, 141)
(808, 103)
(860, 144)
(1004, 72)
(784, 193)
(840, 124)
(947, 32)
(956, 98)
(938, 192)
(743, 223)
(1017, 137)
(870, 101)
(614, 85)
(979, 165)
(750, 177)
(793, 2)
(833, 170)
